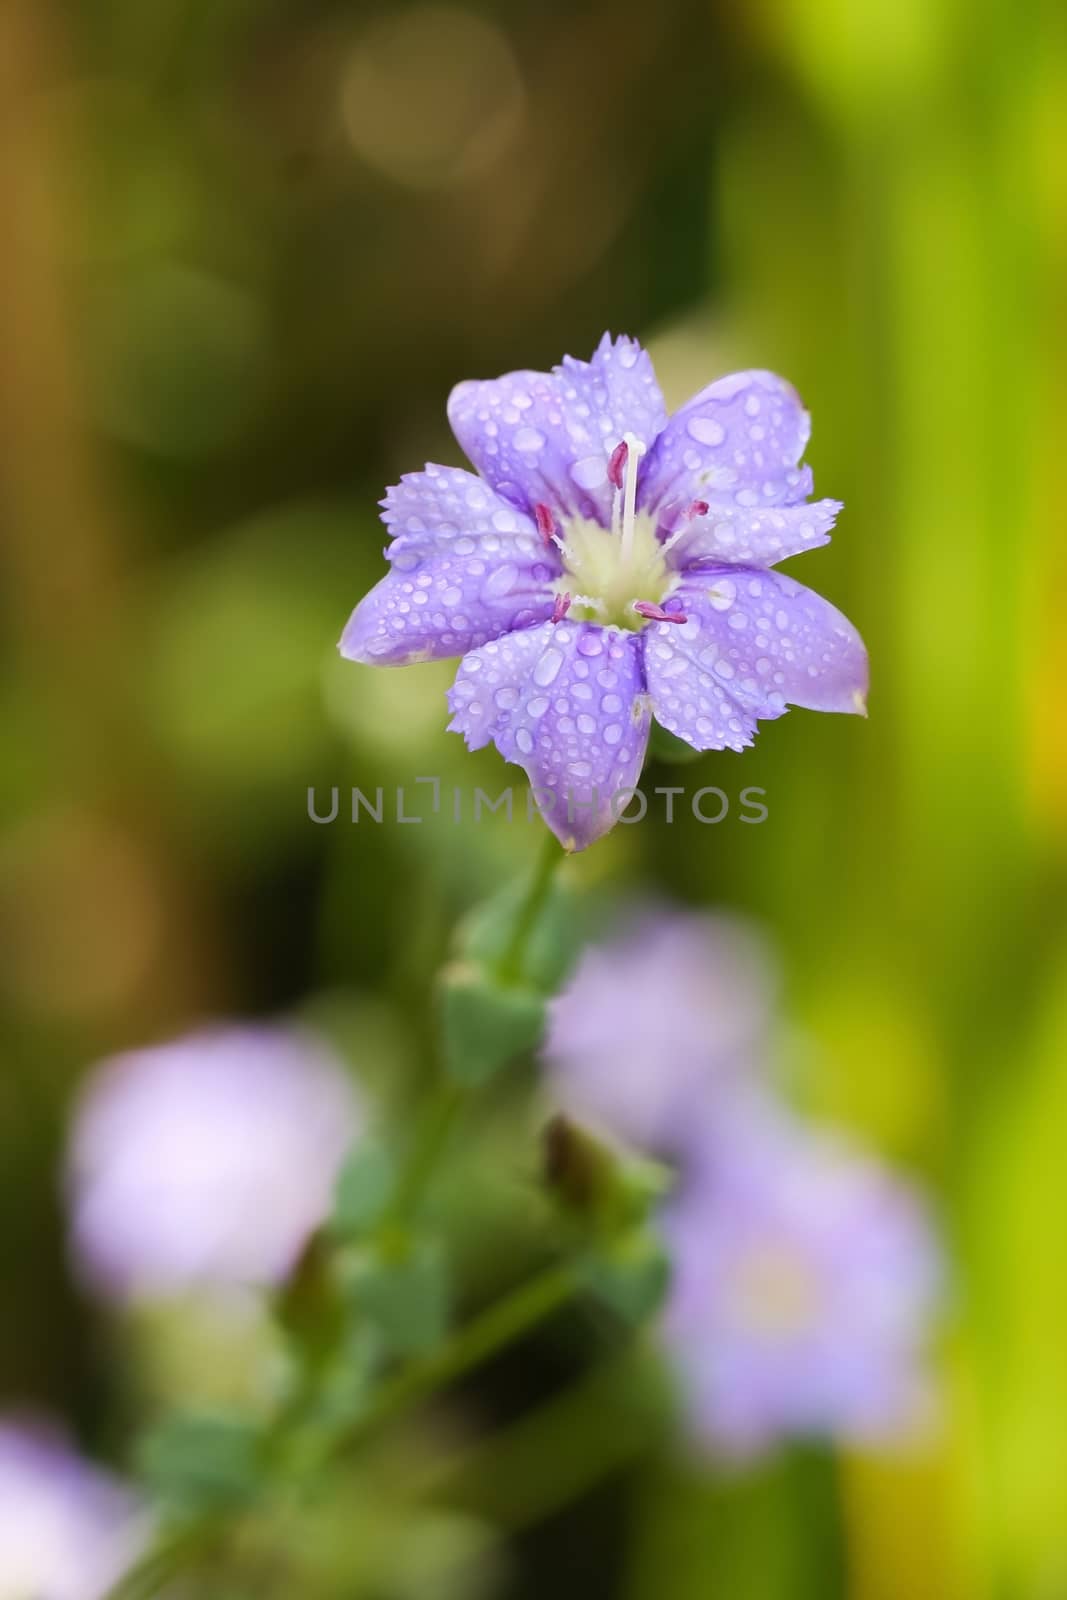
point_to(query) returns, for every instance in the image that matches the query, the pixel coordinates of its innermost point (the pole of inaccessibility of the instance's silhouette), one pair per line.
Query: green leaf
(630, 1276)
(485, 1024)
(550, 947)
(364, 1188)
(403, 1291)
(202, 1461)
(667, 747)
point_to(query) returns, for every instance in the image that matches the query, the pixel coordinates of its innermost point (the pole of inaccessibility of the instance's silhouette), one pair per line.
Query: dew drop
(705, 430)
(722, 594)
(590, 473)
(501, 582)
(548, 667)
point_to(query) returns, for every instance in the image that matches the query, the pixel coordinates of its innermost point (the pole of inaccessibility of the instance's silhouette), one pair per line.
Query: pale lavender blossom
(805, 1278)
(657, 1023)
(208, 1161)
(67, 1530)
(608, 565)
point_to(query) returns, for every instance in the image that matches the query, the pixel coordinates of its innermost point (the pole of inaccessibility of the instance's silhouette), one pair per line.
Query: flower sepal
(600, 1188)
(630, 1276)
(400, 1286)
(486, 1022)
(363, 1189)
(202, 1461)
(545, 951)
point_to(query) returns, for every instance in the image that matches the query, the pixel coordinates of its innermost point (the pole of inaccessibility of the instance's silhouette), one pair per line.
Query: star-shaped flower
(208, 1161)
(609, 564)
(806, 1280)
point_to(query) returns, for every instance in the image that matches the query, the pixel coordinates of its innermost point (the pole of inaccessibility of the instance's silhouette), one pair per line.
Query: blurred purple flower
(208, 1161)
(609, 565)
(657, 1023)
(67, 1530)
(805, 1279)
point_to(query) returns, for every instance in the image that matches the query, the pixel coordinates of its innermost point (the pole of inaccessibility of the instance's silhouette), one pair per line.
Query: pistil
(634, 451)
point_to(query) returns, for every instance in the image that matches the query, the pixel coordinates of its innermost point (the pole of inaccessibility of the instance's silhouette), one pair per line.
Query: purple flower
(67, 1530)
(804, 1284)
(608, 565)
(208, 1161)
(657, 1023)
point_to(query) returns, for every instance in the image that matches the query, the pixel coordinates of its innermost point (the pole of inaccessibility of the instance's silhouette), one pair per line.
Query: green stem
(511, 1317)
(435, 1125)
(555, 1454)
(516, 1314)
(509, 967)
(508, 1319)
(443, 1108)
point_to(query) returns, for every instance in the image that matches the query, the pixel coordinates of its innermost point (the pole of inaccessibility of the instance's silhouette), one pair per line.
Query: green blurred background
(248, 246)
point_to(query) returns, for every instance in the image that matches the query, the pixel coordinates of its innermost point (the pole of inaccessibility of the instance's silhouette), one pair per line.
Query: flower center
(610, 571)
(774, 1293)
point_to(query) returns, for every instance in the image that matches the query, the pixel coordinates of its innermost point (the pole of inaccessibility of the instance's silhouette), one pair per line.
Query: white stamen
(634, 451)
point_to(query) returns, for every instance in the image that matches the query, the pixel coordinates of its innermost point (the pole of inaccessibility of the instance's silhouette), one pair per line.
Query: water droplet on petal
(548, 666)
(500, 582)
(705, 430)
(591, 472)
(722, 594)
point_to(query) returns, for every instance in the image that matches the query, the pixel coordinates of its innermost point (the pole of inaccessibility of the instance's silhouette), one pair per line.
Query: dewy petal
(565, 701)
(755, 640)
(490, 681)
(549, 436)
(580, 729)
(737, 443)
(688, 698)
(445, 603)
(751, 538)
(446, 505)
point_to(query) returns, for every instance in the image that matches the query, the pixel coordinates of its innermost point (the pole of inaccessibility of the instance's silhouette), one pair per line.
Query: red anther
(699, 508)
(561, 607)
(645, 608)
(546, 522)
(617, 464)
